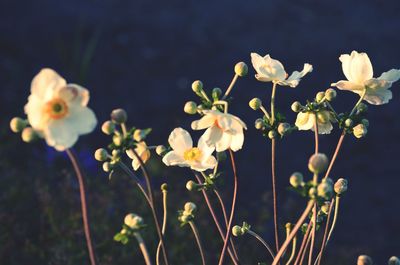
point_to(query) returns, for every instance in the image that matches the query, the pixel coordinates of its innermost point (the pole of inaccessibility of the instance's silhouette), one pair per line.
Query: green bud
(259, 124)
(101, 155)
(283, 128)
(107, 167)
(197, 86)
(320, 95)
(191, 185)
(119, 116)
(360, 130)
(330, 94)
(108, 127)
(255, 103)
(364, 260)
(348, 122)
(117, 140)
(318, 163)
(190, 207)
(190, 107)
(362, 107)
(160, 149)
(341, 186)
(29, 135)
(394, 261)
(296, 106)
(164, 187)
(241, 69)
(216, 93)
(17, 124)
(272, 134)
(296, 179)
(237, 231)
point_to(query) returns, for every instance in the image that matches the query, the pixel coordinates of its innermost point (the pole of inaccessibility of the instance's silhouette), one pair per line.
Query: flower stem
(303, 244)
(228, 229)
(314, 229)
(164, 224)
(198, 241)
(294, 243)
(334, 219)
(143, 248)
(273, 103)
(319, 257)
(85, 217)
(316, 133)
(335, 154)
(274, 193)
(359, 101)
(229, 89)
(259, 238)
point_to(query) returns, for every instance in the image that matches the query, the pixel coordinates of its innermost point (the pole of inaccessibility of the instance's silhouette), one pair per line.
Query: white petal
(345, 59)
(211, 136)
(81, 119)
(45, 83)
(242, 124)
(174, 159)
(256, 60)
(205, 148)
(267, 69)
(33, 110)
(135, 164)
(60, 134)
(305, 121)
(208, 164)
(294, 79)
(360, 67)
(224, 143)
(324, 128)
(237, 141)
(391, 75)
(378, 97)
(180, 140)
(348, 85)
(206, 121)
(75, 94)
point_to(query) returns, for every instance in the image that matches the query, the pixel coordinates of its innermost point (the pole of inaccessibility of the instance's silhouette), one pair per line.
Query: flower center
(56, 108)
(193, 154)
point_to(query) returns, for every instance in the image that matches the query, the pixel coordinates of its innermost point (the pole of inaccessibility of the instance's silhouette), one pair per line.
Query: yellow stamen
(193, 154)
(56, 108)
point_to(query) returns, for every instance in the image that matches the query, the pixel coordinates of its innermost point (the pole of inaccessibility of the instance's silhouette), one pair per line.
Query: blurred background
(142, 56)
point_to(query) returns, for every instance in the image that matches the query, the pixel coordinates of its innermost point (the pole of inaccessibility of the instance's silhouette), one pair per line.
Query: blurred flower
(142, 151)
(185, 155)
(224, 130)
(271, 70)
(58, 111)
(360, 130)
(359, 73)
(305, 121)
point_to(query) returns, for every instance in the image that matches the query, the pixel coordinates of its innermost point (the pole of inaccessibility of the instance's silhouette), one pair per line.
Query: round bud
(325, 190)
(108, 127)
(116, 153)
(364, 260)
(341, 186)
(237, 231)
(296, 179)
(107, 167)
(362, 107)
(241, 69)
(289, 226)
(283, 128)
(164, 187)
(320, 96)
(360, 130)
(348, 122)
(330, 94)
(255, 103)
(29, 135)
(139, 135)
(101, 155)
(216, 93)
(190, 207)
(312, 192)
(119, 116)
(117, 140)
(318, 163)
(160, 149)
(259, 124)
(190, 107)
(197, 86)
(296, 106)
(133, 221)
(17, 124)
(191, 185)
(394, 261)
(325, 207)
(272, 134)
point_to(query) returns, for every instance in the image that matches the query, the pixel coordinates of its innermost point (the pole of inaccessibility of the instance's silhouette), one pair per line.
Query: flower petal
(60, 134)
(208, 164)
(205, 148)
(75, 94)
(211, 136)
(81, 119)
(294, 79)
(237, 141)
(391, 75)
(206, 121)
(224, 143)
(45, 83)
(174, 159)
(348, 85)
(267, 69)
(305, 121)
(33, 110)
(180, 141)
(360, 67)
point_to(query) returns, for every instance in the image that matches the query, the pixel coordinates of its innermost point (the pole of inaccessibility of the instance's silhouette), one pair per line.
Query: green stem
(143, 248)
(259, 238)
(198, 241)
(359, 101)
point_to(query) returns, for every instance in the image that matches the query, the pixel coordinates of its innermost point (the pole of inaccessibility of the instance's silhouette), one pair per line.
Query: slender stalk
(229, 89)
(305, 249)
(265, 112)
(293, 233)
(214, 216)
(143, 248)
(358, 102)
(164, 224)
(314, 229)
(198, 241)
(274, 192)
(273, 103)
(85, 216)
(335, 154)
(334, 219)
(293, 251)
(228, 229)
(259, 238)
(328, 218)
(303, 244)
(316, 133)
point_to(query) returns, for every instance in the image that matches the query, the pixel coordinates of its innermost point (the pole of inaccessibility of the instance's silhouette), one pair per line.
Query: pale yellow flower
(305, 121)
(142, 151)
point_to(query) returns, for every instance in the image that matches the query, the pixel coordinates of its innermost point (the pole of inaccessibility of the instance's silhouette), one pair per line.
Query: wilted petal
(391, 75)
(180, 140)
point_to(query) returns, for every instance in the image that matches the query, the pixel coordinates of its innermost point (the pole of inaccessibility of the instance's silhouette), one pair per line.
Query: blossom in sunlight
(58, 111)
(271, 70)
(142, 151)
(305, 121)
(224, 130)
(183, 153)
(359, 73)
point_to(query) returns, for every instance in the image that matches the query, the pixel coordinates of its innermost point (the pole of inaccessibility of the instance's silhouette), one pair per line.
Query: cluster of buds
(133, 223)
(19, 125)
(355, 123)
(367, 260)
(187, 214)
(240, 230)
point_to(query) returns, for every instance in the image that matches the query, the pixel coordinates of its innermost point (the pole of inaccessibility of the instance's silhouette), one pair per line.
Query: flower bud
(237, 231)
(107, 167)
(318, 163)
(241, 69)
(101, 155)
(191, 185)
(216, 93)
(255, 103)
(117, 140)
(296, 106)
(394, 261)
(341, 186)
(364, 260)
(324, 190)
(133, 221)
(164, 187)
(190, 207)
(348, 122)
(283, 128)
(17, 124)
(197, 86)
(108, 127)
(119, 116)
(259, 124)
(362, 107)
(360, 130)
(330, 94)
(325, 207)
(312, 192)
(29, 135)
(272, 134)
(160, 149)
(139, 135)
(190, 107)
(296, 179)
(185, 218)
(320, 96)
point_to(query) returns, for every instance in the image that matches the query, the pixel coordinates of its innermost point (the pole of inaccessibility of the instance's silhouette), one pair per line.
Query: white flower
(142, 151)
(271, 70)
(183, 153)
(224, 130)
(359, 73)
(57, 110)
(305, 121)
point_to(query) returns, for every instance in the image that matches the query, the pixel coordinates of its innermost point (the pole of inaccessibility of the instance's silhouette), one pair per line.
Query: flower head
(358, 70)
(183, 153)
(142, 151)
(271, 70)
(224, 130)
(58, 111)
(305, 121)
